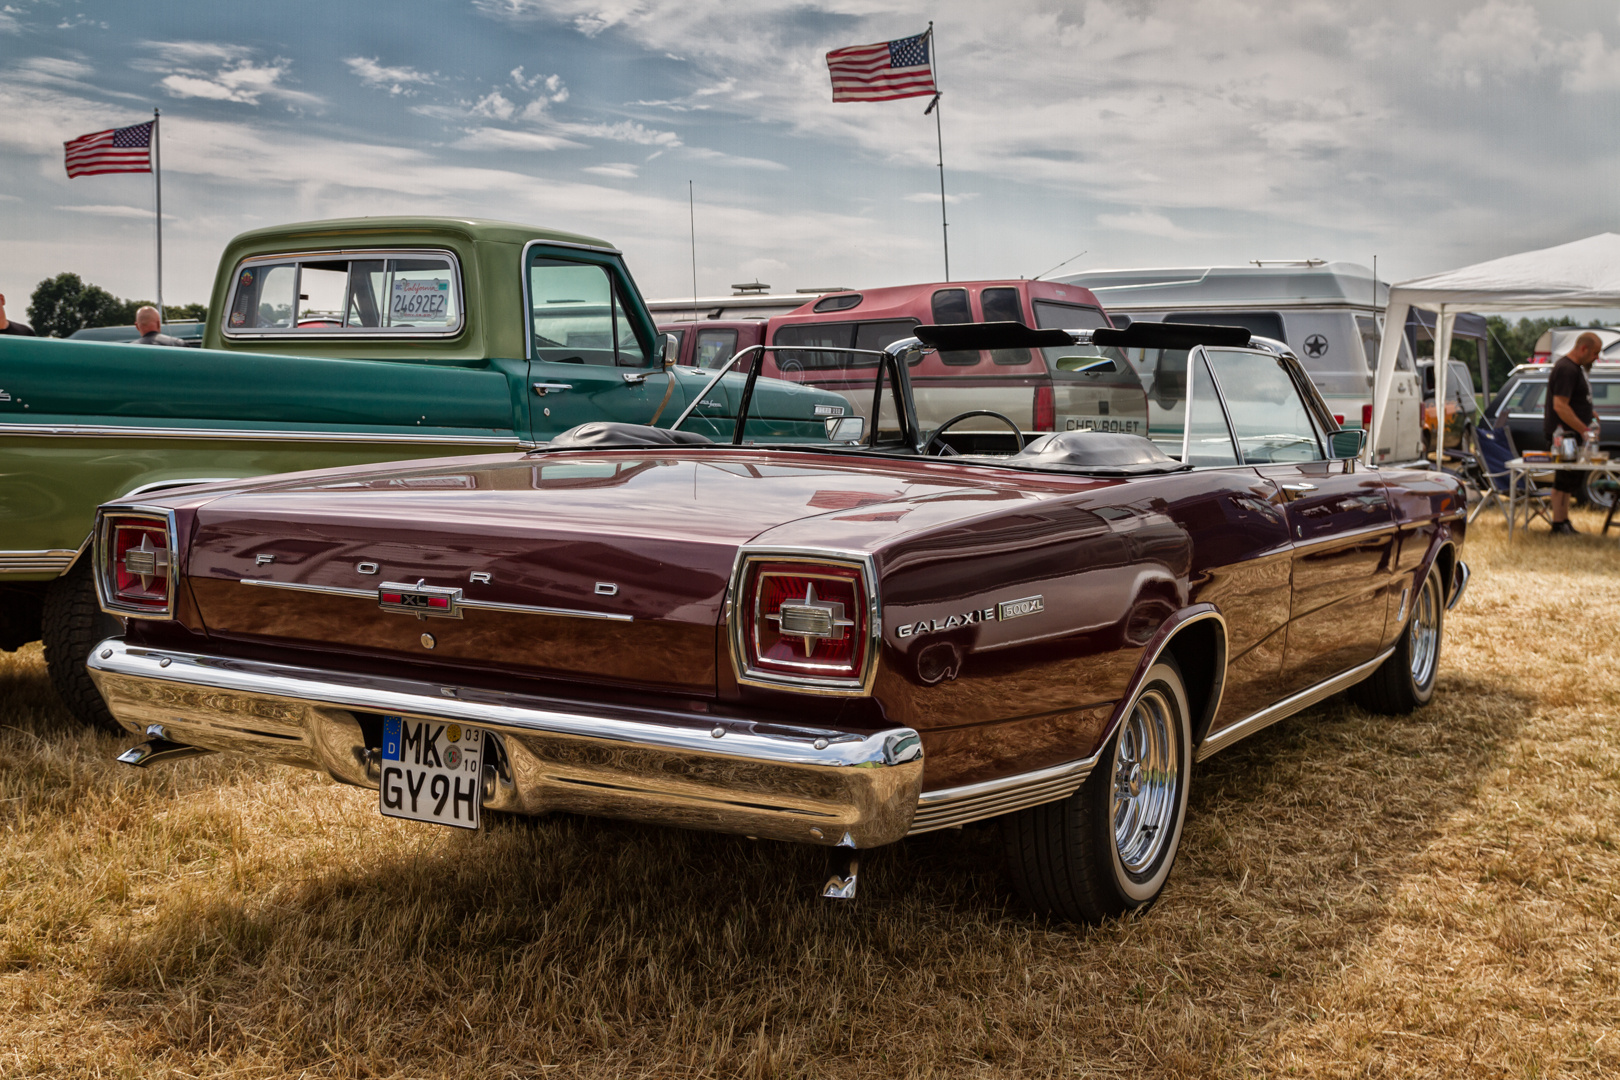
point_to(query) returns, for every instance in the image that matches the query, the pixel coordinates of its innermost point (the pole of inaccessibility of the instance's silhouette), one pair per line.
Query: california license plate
(431, 771)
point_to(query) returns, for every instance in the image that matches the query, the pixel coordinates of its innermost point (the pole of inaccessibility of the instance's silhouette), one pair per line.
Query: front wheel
(1107, 849)
(1405, 681)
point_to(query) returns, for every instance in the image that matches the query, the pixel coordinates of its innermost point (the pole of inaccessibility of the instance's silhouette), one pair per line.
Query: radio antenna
(1059, 266)
(691, 218)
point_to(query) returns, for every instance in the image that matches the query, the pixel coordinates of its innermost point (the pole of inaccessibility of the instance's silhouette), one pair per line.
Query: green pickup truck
(331, 343)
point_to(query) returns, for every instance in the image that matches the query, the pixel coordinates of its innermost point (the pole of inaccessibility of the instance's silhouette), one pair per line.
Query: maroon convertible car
(840, 640)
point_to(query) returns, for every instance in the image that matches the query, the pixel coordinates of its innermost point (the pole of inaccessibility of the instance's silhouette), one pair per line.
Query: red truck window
(951, 306)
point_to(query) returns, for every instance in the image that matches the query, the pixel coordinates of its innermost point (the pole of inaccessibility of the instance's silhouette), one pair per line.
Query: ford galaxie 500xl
(843, 644)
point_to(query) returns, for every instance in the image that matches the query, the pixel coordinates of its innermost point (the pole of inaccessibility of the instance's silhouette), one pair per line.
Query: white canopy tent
(1585, 273)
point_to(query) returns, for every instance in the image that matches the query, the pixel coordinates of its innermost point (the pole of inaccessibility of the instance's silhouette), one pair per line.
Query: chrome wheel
(1147, 774)
(1423, 632)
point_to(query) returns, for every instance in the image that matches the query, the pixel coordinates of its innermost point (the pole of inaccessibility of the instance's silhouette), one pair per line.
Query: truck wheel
(1107, 849)
(1406, 680)
(73, 625)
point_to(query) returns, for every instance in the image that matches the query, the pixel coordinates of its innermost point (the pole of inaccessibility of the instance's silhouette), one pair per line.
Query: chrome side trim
(50, 561)
(463, 602)
(974, 802)
(721, 774)
(1459, 584)
(252, 435)
(1287, 707)
(328, 590)
(991, 798)
(536, 609)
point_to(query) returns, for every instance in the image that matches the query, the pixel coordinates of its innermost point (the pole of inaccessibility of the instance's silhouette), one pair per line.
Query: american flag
(882, 72)
(126, 149)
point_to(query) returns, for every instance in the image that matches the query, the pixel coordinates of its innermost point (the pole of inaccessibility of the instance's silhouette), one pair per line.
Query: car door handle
(634, 378)
(1298, 489)
(544, 388)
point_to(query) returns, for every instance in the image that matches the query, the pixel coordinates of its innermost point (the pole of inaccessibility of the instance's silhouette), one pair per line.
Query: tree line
(66, 303)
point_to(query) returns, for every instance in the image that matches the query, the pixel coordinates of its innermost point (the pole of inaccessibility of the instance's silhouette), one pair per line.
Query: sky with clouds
(1431, 134)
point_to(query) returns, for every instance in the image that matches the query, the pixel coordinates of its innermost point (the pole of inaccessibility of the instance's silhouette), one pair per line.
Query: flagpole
(157, 187)
(939, 135)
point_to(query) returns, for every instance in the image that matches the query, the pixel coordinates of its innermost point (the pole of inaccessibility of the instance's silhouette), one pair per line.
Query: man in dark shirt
(146, 321)
(12, 326)
(1569, 406)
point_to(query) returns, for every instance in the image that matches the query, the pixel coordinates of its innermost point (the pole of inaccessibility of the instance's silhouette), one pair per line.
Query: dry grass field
(1357, 896)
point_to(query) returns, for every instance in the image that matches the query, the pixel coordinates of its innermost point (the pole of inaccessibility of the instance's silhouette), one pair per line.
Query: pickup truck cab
(330, 343)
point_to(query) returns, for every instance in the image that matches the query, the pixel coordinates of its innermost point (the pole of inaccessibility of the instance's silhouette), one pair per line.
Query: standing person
(1569, 405)
(147, 322)
(12, 326)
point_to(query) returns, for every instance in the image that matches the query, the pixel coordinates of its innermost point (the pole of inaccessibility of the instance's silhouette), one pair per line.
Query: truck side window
(951, 306)
(715, 347)
(572, 308)
(628, 351)
(263, 299)
(830, 335)
(1003, 305)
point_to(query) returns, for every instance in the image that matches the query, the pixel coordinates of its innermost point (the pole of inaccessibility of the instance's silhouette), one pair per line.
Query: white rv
(1329, 313)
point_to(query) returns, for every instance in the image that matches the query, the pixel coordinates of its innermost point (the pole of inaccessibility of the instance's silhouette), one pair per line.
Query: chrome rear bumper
(726, 775)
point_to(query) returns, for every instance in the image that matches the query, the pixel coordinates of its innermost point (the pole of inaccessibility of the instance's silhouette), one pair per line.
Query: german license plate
(431, 771)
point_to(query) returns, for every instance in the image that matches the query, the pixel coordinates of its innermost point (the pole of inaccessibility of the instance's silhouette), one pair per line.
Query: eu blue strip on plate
(390, 747)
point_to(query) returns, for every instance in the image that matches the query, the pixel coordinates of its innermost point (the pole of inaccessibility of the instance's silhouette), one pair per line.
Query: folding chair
(1496, 449)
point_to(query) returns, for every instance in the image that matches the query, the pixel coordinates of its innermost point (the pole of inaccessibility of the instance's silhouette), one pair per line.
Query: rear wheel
(1405, 681)
(1107, 849)
(74, 624)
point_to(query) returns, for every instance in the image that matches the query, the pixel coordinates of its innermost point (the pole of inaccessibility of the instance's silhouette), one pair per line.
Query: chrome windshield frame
(888, 358)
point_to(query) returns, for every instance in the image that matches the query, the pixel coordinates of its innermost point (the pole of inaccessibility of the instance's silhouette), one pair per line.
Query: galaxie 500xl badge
(420, 600)
(1007, 609)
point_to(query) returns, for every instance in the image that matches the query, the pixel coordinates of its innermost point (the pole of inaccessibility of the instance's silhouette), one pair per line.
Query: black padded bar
(990, 335)
(1155, 335)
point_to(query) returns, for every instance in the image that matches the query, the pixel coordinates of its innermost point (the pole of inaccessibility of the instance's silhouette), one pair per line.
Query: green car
(333, 343)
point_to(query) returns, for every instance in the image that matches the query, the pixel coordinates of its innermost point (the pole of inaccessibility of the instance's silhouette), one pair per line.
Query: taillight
(1366, 416)
(1338, 418)
(1045, 408)
(803, 623)
(136, 563)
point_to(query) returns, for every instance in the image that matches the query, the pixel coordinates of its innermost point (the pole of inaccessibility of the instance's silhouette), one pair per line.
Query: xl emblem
(420, 600)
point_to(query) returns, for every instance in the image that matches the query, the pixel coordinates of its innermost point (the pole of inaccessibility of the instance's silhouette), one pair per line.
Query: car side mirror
(846, 429)
(1087, 365)
(672, 350)
(1346, 443)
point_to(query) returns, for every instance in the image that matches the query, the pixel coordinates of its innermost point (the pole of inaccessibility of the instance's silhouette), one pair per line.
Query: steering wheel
(945, 448)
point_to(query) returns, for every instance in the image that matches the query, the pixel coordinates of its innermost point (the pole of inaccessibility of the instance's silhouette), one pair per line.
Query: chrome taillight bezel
(742, 660)
(107, 519)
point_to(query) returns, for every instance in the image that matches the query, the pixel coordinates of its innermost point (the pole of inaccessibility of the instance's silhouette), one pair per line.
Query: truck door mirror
(1346, 443)
(672, 350)
(846, 429)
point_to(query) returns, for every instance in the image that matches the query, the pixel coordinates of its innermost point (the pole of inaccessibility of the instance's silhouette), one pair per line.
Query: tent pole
(1442, 366)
